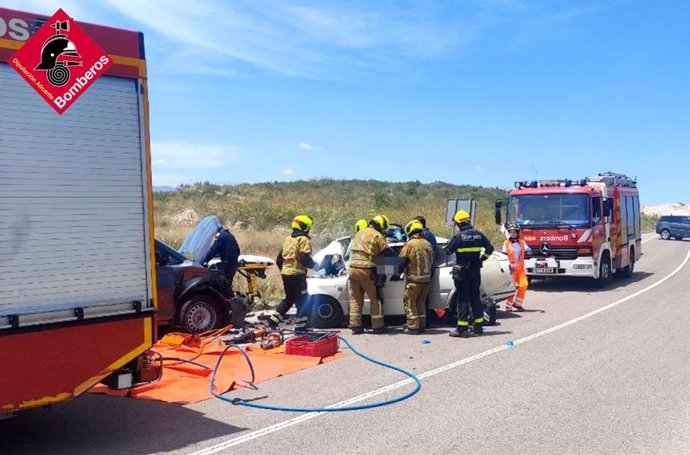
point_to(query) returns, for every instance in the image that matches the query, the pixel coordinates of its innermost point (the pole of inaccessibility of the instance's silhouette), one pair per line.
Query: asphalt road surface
(581, 371)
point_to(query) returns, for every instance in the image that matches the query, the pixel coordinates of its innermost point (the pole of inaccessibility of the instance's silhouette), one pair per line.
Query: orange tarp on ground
(184, 383)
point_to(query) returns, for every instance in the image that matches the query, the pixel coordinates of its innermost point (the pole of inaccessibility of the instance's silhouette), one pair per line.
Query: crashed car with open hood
(330, 296)
(196, 298)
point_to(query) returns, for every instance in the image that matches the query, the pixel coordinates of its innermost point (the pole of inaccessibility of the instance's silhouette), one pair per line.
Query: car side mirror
(160, 259)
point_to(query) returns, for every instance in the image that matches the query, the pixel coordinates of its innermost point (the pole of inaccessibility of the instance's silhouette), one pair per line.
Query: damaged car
(329, 293)
(195, 298)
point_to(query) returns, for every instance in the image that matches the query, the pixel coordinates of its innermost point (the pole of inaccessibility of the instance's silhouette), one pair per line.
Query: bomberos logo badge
(60, 61)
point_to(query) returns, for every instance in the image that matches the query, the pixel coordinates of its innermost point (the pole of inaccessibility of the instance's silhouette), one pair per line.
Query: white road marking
(304, 417)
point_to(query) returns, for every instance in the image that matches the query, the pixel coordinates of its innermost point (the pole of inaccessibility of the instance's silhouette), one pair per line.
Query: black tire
(678, 237)
(630, 268)
(326, 312)
(604, 271)
(489, 311)
(665, 234)
(200, 312)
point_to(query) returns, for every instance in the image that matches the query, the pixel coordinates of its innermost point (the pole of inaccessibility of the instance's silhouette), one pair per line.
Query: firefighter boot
(478, 329)
(358, 330)
(460, 332)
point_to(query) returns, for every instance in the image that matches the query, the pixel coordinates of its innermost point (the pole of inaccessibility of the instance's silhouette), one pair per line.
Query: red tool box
(313, 345)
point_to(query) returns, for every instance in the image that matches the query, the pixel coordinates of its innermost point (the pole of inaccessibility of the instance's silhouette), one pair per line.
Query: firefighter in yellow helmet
(369, 243)
(293, 261)
(416, 260)
(359, 225)
(471, 248)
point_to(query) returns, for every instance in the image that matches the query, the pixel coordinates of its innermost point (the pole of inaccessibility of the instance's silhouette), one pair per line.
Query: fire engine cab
(582, 227)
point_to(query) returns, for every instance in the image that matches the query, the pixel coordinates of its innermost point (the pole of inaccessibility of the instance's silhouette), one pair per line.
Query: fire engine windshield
(549, 210)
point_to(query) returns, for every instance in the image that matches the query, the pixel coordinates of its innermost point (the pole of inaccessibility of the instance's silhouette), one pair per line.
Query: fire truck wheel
(604, 271)
(628, 271)
(199, 313)
(665, 234)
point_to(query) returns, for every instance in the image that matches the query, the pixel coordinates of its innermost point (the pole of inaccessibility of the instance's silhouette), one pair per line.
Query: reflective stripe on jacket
(516, 252)
(420, 257)
(368, 244)
(468, 245)
(292, 247)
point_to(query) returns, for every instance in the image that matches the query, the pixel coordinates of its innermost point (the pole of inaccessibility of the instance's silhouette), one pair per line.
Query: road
(589, 371)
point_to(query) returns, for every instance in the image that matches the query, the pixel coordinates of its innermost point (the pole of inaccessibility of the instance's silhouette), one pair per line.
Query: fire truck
(77, 276)
(578, 227)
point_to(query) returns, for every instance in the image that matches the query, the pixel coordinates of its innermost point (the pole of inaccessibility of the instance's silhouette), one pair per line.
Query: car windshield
(197, 244)
(549, 210)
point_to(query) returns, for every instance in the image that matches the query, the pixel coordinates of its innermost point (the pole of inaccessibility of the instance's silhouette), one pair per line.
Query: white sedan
(329, 294)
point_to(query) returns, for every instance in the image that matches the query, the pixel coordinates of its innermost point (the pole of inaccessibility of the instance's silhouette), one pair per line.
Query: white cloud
(287, 171)
(324, 41)
(307, 146)
(175, 162)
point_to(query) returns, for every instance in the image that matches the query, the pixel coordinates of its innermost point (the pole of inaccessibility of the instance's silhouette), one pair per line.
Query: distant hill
(164, 188)
(676, 208)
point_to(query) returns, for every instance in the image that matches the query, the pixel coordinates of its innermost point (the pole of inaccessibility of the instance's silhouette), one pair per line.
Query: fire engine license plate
(544, 270)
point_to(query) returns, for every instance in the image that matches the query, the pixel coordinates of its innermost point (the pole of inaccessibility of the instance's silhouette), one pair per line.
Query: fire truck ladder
(613, 179)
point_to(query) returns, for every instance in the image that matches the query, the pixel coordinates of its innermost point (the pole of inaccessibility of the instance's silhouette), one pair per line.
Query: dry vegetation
(259, 215)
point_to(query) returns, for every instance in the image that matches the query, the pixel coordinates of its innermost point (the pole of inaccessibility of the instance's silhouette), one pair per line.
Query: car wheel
(489, 311)
(199, 313)
(604, 271)
(678, 237)
(665, 234)
(326, 312)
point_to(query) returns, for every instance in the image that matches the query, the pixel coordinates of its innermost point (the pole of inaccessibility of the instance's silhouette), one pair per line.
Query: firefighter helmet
(53, 48)
(513, 227)
(382, 222)
(461, 216)
(302, 223)
(361, 224)
(413, 227)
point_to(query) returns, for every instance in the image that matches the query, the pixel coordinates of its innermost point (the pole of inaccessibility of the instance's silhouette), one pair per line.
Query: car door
(165, 284)
(685, 226)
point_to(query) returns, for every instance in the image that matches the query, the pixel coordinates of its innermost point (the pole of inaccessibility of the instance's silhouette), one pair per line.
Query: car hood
(198, 243)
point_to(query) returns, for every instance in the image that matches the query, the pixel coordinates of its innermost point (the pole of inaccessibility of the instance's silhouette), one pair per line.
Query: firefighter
(225, 245)
(368, 244)
(359, 225)
(428, 235)
(416, 260)
(471, 248)
(516, 248)
(293, 261)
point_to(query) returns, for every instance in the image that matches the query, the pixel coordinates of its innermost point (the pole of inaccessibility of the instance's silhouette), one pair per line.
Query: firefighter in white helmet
(516, 248)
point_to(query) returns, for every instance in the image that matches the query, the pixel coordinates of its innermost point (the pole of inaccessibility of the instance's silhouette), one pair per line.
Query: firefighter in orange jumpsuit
(368, 244)
(516, 248)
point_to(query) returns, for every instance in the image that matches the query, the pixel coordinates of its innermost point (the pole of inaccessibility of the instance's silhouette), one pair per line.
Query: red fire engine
(587, 228)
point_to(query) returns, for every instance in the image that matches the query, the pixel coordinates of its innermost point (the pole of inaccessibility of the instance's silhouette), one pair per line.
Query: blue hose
(238, 401)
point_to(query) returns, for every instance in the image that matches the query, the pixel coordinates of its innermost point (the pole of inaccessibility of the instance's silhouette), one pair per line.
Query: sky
(479, 92)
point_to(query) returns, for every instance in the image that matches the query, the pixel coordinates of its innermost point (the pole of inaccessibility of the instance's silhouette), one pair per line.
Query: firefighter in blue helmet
(471, 248)
(225, 246)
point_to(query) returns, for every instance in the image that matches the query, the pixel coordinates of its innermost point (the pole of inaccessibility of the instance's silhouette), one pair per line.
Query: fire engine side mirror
(607, 207)
(497, 214)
